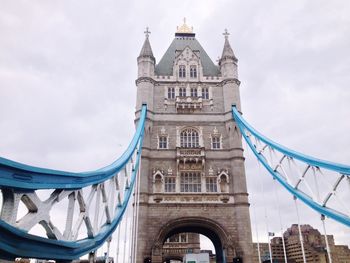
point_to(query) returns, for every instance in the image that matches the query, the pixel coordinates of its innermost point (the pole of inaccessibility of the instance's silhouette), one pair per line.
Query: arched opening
(158, 183)
(176, 247)
(206, 232)
(172, 259)
(203, 226)
(189, 138)
(223, 180)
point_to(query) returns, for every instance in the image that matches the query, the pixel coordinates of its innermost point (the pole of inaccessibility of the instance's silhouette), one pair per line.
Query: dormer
(187, 65)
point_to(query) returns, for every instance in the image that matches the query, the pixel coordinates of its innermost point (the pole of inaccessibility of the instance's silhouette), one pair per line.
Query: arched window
(205, 93)
(193, 72)
(171, 93)
(182, 92)
(182, 71)
(194, 92)
(216, 142)
(189, 138)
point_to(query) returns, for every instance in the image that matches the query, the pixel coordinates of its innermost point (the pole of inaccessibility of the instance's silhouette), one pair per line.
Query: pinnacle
(146, 48)
(227, 51)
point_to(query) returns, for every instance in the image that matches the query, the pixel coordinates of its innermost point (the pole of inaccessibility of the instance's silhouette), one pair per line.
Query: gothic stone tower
(192, 166)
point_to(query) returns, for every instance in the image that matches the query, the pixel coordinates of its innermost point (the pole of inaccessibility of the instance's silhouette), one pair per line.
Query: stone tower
(192, 167)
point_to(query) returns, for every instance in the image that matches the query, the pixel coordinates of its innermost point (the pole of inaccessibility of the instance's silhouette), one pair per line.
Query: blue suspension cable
(339, 168)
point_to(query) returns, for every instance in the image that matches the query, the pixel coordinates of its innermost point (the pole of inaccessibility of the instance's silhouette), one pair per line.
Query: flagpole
(270, 250)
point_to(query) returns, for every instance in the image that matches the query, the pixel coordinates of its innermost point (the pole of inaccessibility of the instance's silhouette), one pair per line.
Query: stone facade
(192, 164)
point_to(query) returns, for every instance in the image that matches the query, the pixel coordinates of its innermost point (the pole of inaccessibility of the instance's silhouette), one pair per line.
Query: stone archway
(167, 259)
(214, 231)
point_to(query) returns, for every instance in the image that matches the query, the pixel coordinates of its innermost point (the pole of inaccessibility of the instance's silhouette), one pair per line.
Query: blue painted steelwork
(342, 169)
(15, 242)
(17, 175)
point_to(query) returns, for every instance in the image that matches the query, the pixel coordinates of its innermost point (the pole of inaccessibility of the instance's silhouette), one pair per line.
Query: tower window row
(192, 92)
(190, 138)
(182, 71)
(191, 182)
(178, 238)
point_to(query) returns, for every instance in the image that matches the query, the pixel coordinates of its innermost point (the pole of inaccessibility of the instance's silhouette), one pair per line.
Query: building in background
(177, 246)
(314, 247)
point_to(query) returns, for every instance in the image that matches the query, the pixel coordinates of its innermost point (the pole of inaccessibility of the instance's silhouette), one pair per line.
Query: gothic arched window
(189, 138)
(194, 92)
(182, 92)
(182, 71)
(193, 72)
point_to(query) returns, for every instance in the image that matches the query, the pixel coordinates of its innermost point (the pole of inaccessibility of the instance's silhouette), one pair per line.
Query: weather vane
(226, 33)
(147, 32)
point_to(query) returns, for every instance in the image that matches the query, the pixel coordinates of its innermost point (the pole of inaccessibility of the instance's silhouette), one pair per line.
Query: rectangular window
(162, 142)
(216, 142)
(205, 93)
(182, 71)
(171, 93)
(193, 71)
(174, 238)
(211, 185)
(183, 238)
(182, 92)
(190, 182)
(178, 238)
(169, 184)
(194, 92)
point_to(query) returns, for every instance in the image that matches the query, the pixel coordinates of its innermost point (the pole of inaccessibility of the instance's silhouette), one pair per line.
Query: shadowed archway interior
(203, 226)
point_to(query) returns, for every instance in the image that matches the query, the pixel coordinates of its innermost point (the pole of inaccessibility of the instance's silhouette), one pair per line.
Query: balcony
(190, 155)
(188, 103)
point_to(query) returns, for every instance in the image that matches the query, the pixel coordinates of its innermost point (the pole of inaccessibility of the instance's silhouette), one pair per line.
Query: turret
(228, 68)
(228, 60)
(145, 83)
(146, 60)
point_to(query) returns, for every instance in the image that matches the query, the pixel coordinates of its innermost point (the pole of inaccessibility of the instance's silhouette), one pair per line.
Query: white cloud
(67, 72)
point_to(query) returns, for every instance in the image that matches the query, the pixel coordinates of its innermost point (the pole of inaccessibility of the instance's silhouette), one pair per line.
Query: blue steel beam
(15, 242)
(342, 169)
(17, 175)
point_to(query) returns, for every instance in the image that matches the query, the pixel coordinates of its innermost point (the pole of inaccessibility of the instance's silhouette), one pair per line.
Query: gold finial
(226, 33)
(184, 28)
(147, 32)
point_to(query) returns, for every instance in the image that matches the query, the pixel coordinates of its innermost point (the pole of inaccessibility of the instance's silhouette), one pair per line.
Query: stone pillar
(157, 254)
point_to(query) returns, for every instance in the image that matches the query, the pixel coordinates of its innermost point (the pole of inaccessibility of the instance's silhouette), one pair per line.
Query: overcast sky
(68, 70)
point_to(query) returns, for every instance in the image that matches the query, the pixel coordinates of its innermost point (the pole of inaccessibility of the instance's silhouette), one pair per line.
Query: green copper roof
(165, 65)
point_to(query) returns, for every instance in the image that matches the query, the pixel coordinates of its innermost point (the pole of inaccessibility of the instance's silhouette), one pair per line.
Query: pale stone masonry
(192, 165)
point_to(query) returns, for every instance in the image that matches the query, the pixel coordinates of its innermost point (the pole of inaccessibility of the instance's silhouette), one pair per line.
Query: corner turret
(146, 61)
(228, 60)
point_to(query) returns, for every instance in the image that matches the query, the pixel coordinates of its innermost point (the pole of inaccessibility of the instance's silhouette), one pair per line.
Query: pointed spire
(227, 51)
(146, 50)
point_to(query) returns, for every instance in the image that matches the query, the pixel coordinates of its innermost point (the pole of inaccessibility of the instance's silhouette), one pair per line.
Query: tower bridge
(182, 175)
(192, 151)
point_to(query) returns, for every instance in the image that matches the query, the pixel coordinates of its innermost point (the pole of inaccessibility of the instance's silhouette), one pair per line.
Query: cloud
(67, 72)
